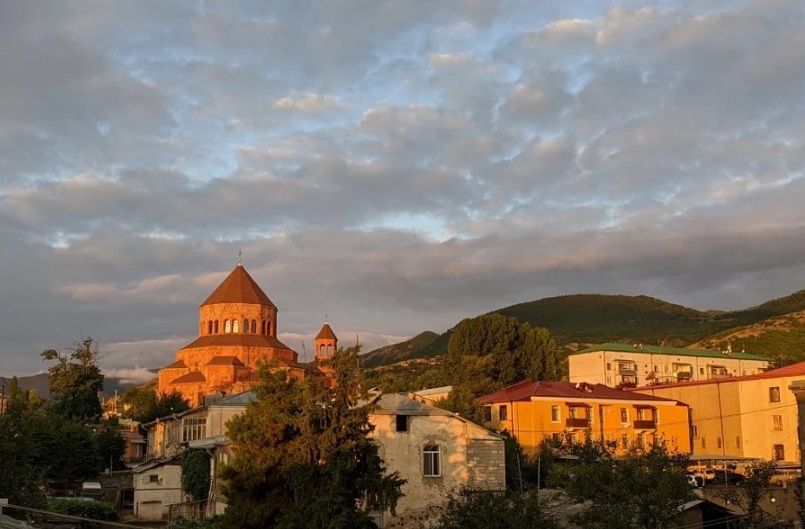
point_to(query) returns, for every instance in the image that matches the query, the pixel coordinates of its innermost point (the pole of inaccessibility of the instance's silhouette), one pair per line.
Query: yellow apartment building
(750, 416)
(533, 411)
(628, 366)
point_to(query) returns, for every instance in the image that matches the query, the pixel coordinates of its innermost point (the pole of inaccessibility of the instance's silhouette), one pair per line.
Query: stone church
(237, 331)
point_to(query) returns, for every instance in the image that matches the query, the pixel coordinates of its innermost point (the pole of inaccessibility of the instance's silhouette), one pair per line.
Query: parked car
(707, 473)
(784, 476)
(91, 490)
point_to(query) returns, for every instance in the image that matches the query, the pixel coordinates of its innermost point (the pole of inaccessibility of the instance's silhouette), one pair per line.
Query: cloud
(395, 165)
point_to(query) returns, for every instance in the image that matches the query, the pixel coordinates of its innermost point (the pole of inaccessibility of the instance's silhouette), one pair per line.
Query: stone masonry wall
(486, 462)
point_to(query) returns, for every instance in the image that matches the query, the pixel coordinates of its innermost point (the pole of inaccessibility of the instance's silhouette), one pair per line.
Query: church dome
(239, 287)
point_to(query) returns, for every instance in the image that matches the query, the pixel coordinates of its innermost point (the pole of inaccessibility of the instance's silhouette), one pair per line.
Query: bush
(481, 510)
(95, 510)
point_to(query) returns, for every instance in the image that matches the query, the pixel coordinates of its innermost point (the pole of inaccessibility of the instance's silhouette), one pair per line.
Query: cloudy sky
(398, 165)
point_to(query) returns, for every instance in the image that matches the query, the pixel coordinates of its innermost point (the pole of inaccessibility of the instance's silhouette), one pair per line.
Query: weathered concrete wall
(486, 463)
(155, 489)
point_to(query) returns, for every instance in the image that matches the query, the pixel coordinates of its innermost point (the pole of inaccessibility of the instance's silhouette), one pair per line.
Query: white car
(695, 480)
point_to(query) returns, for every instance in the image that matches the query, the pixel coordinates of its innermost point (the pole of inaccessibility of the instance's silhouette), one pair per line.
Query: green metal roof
(656, 349)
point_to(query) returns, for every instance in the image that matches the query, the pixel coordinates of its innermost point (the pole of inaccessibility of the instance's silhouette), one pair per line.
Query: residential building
(437, 452)
(430, 396)
(752, 416)
(157, 482)
(237, 331)
(534, 411)
(629, 366)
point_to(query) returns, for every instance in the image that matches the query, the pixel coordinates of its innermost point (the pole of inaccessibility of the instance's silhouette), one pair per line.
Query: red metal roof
(326, 333)
(225, 361)
(563, 390)
(192, 377)
(794, 370)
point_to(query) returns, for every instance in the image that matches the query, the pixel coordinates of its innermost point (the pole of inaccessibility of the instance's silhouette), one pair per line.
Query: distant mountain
(597, 318)
(415, 347)
(41, 384)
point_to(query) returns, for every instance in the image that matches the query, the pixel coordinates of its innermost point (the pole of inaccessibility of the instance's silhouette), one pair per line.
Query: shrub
(95, 510)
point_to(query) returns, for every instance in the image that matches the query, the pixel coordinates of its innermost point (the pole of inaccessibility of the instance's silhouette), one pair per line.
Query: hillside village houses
(629, 366)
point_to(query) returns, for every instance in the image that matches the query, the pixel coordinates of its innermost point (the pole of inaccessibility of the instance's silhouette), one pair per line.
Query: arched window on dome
(263, 329)
(245, 326)
(322, 350)
(235, 326)
(329, 350)
(227, 326)
(209, 327)
(216, 326)
(201, 328)
(254, 326)
(268, 328)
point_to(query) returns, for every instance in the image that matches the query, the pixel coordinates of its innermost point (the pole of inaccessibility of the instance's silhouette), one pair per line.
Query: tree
(480, 510)
(641, 489)
(750, 491)
(492, 351)
(110, 444)
(76, 381)
(196, 474)
(303, 456)
(143, 404)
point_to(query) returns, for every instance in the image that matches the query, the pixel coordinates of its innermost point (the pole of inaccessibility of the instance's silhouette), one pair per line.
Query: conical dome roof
(239, 287)
(326, 333)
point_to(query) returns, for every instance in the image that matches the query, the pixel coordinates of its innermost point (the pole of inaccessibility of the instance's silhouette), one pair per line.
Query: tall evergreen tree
(303, 455)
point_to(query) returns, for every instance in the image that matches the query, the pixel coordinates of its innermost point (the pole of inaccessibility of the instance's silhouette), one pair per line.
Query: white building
(437, 452)
(628, 366)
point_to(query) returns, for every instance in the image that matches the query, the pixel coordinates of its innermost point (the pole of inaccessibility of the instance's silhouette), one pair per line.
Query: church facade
(237, 332)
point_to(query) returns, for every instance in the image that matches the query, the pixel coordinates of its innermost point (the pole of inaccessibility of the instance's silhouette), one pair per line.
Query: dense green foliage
(196, 474)
(641, 489)
(408, 375)
(75, 381)
(144, 405)
(303, 456)
(95, 510)
(482, 510)
(492, 351)
(779, 338)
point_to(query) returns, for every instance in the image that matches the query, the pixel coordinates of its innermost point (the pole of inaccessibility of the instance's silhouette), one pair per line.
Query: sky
(395, 165)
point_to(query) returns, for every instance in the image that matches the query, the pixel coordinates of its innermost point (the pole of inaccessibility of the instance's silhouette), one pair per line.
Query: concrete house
(628, 366)
(437, 452)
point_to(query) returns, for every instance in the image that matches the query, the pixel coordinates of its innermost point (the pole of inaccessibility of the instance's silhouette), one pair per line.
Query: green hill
(416, 347)
(597, 318)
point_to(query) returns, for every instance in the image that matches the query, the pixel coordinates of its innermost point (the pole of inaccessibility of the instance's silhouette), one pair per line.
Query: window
(431, 459)
(503, 413)
(263, 328)
(625, 441)
(555, 414)
(193, 429)
(640, 441)
(718, 441)
(402, 423)
(609, 366)
(236, 326)
(487, 413)
(209, 327)
(153, 478)
(704, 442)
(624, 415)
(701, 370)
(227, 326)
(738, 441)
(246, 327)
(268, 327)
(254, 326)
(216, 327)
(777, 420)
(694, 431)
(778, 452)
(556, 437)
(774, 394)
(329, 350)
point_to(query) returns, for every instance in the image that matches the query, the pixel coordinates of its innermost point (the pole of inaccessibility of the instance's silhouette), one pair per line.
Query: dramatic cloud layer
(396, 165)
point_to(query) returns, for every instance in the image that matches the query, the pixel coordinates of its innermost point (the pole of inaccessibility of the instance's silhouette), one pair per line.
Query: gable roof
(524, 391)
(238, 287)
(225, 361)
(179, 364)
(673, 351)
(794, 370)
(192, 377)
(326, 333)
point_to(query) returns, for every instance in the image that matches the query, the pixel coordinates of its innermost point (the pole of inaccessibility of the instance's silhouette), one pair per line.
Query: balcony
(645, 424)
(578, 423)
